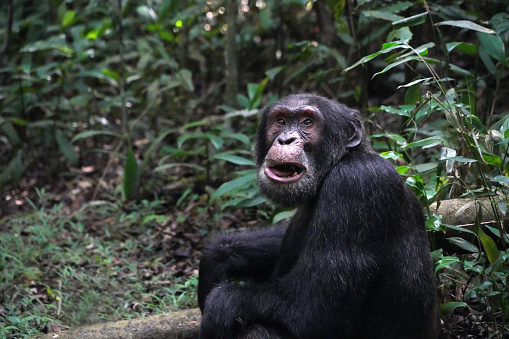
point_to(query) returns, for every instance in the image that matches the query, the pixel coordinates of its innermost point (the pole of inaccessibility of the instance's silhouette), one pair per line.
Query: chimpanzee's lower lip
(285, 173)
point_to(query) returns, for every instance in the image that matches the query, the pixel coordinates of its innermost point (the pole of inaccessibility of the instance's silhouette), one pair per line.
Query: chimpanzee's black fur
(353, 262)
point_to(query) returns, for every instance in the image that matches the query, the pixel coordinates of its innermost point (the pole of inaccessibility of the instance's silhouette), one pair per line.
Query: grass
(101, 263)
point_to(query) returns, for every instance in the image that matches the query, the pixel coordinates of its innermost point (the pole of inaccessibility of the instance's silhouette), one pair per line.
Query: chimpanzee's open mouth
(286, 172)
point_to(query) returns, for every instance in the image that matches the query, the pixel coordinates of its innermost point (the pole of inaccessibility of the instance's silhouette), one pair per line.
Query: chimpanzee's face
(300, 139)
(288, 174)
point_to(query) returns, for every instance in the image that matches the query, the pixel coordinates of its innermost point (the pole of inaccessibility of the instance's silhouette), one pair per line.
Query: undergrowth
(98, 264)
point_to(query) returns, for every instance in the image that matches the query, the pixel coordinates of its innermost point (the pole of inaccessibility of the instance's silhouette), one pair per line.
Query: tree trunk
(230, 54)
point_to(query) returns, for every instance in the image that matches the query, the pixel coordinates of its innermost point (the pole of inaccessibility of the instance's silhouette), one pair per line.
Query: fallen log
(463, 214)
(464, 211)
(175, 325)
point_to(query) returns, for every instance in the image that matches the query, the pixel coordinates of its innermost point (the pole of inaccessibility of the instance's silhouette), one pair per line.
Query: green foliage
(130, 174)
(473, 160)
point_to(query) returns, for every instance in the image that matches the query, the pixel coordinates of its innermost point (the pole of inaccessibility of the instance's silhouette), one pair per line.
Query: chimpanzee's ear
(356, 137)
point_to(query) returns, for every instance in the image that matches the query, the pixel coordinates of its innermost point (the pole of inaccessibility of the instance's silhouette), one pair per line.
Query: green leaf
(186, 78)
(111, 74)
(500, 23)
(466, 24)
(13, 170)
(189, 136)
(383, 15)
(391, 155)
(242, 100)
(98, 32)
(150, 151)
(446, 262)
(19, 121)
(66, 147)
(396, 137)
(256, 200)
(425, 167)
(233, 185)
(475, 122)
(403, 34)
(488, 62)
(494, 230)
(462, 243)
(389, 46)
(271, 73)
(425, 143)
(402, 60)
(489, 246)
(396, 63)
(194, 124)
(93, 34)
(460, 71)
(434, 223)
(460, 229)
(502, 179)
(146, 12)
(184, 195)
(282, 216)
(158, 218)
(494, 46)
(415, 181)
(410, 84)
(88, 134)
(414, 93)
(179, 164)
(17, 167)
(466, 48)
(68, 18)
(411, 21)
(130, 174)
(402, 169)
(404, 110)
(10, 132)
(14, 320)
(94, 74)
(386, 48)
(215, 140)
(459, 159)
(255, 92)
(448, 308)
(234, 159)
(236, 136)
(55, 42)
(492, 159)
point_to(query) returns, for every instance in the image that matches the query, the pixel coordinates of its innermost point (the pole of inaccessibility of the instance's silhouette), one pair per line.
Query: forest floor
(72, 256)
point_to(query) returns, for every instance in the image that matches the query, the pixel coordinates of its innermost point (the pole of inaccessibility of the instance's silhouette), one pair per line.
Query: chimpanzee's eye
(281, 121)
(307, 122)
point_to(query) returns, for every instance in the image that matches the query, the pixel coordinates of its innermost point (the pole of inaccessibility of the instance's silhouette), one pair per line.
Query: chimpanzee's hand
(222, 316)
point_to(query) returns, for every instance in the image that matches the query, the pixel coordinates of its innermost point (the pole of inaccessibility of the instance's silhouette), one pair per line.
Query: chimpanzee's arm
(239, 256)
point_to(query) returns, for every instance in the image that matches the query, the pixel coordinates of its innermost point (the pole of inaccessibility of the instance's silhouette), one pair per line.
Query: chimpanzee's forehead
(296, 103)
(298, 100)
(295, 108)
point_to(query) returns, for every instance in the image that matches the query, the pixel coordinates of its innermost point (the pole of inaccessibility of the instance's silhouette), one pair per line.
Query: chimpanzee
(354, 260)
